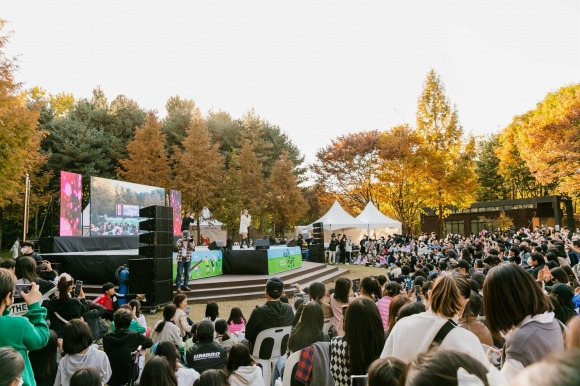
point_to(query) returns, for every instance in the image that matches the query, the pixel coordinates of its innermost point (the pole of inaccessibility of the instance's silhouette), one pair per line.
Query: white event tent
(381, 225)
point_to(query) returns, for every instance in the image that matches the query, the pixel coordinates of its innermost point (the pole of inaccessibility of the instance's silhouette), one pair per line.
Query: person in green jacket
(22, 333)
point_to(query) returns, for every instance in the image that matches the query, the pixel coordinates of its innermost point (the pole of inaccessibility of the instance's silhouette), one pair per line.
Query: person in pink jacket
(391, 290)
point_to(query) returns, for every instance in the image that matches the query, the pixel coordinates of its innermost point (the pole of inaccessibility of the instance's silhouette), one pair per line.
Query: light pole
(26, 207)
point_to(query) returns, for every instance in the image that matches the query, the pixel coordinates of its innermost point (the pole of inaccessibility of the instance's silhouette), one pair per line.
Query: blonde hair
(446, 300)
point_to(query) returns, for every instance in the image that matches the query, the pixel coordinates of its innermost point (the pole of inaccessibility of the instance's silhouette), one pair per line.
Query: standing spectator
(332, 249)
(206, 353)
(272, 314)
(21, 333)
(44, 363)
(27, 249)
(15, 248)
(185, 246)
(342, 250)
(348, 250)
(120, 344)
(186, 221)
(76, 344)
(64, 308)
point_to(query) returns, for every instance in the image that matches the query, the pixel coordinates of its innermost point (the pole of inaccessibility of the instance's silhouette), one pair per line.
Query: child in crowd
(93, 317)
(135, 325)
(222, 336)
(236, 321)
(110, 299)
(212, 311)
(22, 333)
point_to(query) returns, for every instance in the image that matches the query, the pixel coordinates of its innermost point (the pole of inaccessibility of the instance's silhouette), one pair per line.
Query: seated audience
(352, 353)
(79, 353)
(222, 336)
(119, 344)
(212, 377)
(64, 307)
(26, 272)
(341, 297)
(470, 322)
(44, 361)
(22, 333)
(309, 329)
(391, 290)
(11, 367)
(561, 296)
(212, 311)
(180, 318)
(110, 299)
(185, 376)
(241, 368)
(559, 368)
(157, 372)
(236, 321)
(165, 330)
(206, 353)
(94, 318)
(396, 304)
(134, 326)
(86, 377)
(386, 372)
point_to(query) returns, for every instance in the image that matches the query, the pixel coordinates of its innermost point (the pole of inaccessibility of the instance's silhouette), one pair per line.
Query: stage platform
(238, 287)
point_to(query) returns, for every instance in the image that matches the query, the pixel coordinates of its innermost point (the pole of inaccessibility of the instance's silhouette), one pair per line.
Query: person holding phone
(22, 333)
(63, 308)
(27, 273)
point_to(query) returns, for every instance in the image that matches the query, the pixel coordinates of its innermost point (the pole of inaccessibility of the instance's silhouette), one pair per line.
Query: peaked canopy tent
(335, 219)
(210, 227)
(381, 225)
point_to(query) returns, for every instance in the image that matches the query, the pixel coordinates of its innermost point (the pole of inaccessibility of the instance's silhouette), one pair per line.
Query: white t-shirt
(186, 377)
(414, 334)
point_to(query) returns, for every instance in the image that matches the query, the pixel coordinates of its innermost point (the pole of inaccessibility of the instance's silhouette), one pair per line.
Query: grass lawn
(198, 309)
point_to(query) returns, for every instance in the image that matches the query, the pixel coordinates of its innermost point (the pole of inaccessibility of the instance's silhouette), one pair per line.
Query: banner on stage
(203, 264)
(284, 259)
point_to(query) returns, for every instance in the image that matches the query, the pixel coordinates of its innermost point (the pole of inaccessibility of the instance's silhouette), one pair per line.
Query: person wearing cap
(561, 296)
(462, 267)
(273, 313)
(206, 353)
(185, 246)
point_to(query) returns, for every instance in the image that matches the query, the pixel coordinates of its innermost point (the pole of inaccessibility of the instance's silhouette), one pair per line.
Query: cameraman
(185, 246)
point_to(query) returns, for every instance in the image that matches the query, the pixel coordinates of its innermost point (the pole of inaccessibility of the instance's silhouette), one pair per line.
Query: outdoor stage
(86, 262)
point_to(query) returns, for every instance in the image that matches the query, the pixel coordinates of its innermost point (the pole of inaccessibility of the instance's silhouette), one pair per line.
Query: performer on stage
(186, 221)
(245, 221)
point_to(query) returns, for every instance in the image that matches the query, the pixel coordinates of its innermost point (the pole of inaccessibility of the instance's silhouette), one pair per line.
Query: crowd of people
(486, 309)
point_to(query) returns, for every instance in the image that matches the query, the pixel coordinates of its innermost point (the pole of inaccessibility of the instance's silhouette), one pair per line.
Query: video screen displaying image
(71, 195)
(175, 203)
(115, 205)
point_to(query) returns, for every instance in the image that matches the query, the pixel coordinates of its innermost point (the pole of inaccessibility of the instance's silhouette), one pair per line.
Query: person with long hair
(64, 308)
(80, 353)
(391, 290)
(514, 302)
(415, 334)
(316, 293)
(369, 288)
(212, 311)
(27, 272)
(158, 372)
(342, 296)
(245, 221)
(212, 377)
(241, 368)
(43, 361)
(386, 372)
(362, 343)
(309, 329)
(180, 318)
(222, 336)
(396, 304)
(165, 329)
(236, 321)
(185, 377)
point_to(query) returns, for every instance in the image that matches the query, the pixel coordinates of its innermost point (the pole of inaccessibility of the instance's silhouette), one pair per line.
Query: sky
(317, 69)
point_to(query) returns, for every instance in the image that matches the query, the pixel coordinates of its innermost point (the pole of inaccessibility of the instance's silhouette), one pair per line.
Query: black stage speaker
(149, 270)
(156, 238)
(156, 251)
(156, 211)
(262, 244)
(216, 245)
(157, 231)
(291, 243)
(316, 253)
(318, 233)
(158, 292)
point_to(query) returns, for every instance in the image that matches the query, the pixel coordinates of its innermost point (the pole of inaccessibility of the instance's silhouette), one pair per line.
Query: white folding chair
(291, 362)
(278, 335)
(329, 322)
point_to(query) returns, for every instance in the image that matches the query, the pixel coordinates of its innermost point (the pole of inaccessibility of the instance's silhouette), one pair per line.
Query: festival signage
(284, 259)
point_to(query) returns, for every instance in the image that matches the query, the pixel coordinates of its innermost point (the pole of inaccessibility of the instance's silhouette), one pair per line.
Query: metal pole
(26, 207)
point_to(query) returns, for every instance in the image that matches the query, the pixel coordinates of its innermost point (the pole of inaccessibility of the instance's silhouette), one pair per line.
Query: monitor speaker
(262, 244)
(292, 243)
(216, 245)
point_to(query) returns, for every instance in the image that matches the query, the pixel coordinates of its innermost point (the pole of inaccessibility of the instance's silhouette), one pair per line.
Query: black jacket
(269, 315)
(205, 356)
(71, 309)
(118, 346)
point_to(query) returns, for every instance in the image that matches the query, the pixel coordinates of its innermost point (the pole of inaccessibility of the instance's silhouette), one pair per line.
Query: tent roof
(375, 219)
(337, 218)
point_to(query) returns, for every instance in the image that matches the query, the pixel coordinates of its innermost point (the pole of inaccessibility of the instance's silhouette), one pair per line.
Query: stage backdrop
(71, 194)
(203, 264)
(175, 203)
(115, 205)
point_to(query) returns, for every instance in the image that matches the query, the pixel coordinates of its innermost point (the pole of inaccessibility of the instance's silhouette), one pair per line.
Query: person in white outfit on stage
(245, 221)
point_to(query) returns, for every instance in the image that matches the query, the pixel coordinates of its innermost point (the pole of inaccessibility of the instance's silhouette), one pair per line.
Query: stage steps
(236, 287)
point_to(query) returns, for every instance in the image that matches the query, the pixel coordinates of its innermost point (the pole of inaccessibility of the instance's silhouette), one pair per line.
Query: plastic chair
(291, 363)
(327, 324)
(278, 335)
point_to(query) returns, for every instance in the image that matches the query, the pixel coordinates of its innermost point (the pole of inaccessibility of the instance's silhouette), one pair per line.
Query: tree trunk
(1, 225)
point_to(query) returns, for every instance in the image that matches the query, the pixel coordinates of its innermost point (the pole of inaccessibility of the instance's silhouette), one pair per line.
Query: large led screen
(71, 194)
(175, 202)
(115, 206)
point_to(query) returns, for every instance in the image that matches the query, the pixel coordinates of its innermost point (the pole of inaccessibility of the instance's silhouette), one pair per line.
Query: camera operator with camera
(185, 246)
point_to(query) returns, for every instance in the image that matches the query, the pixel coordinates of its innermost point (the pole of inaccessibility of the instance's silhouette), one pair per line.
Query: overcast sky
(317, 69)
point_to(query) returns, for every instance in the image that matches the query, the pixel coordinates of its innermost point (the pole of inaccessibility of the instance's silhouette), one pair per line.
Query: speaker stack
(152, 274)
(316, 249)
(261, 244)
